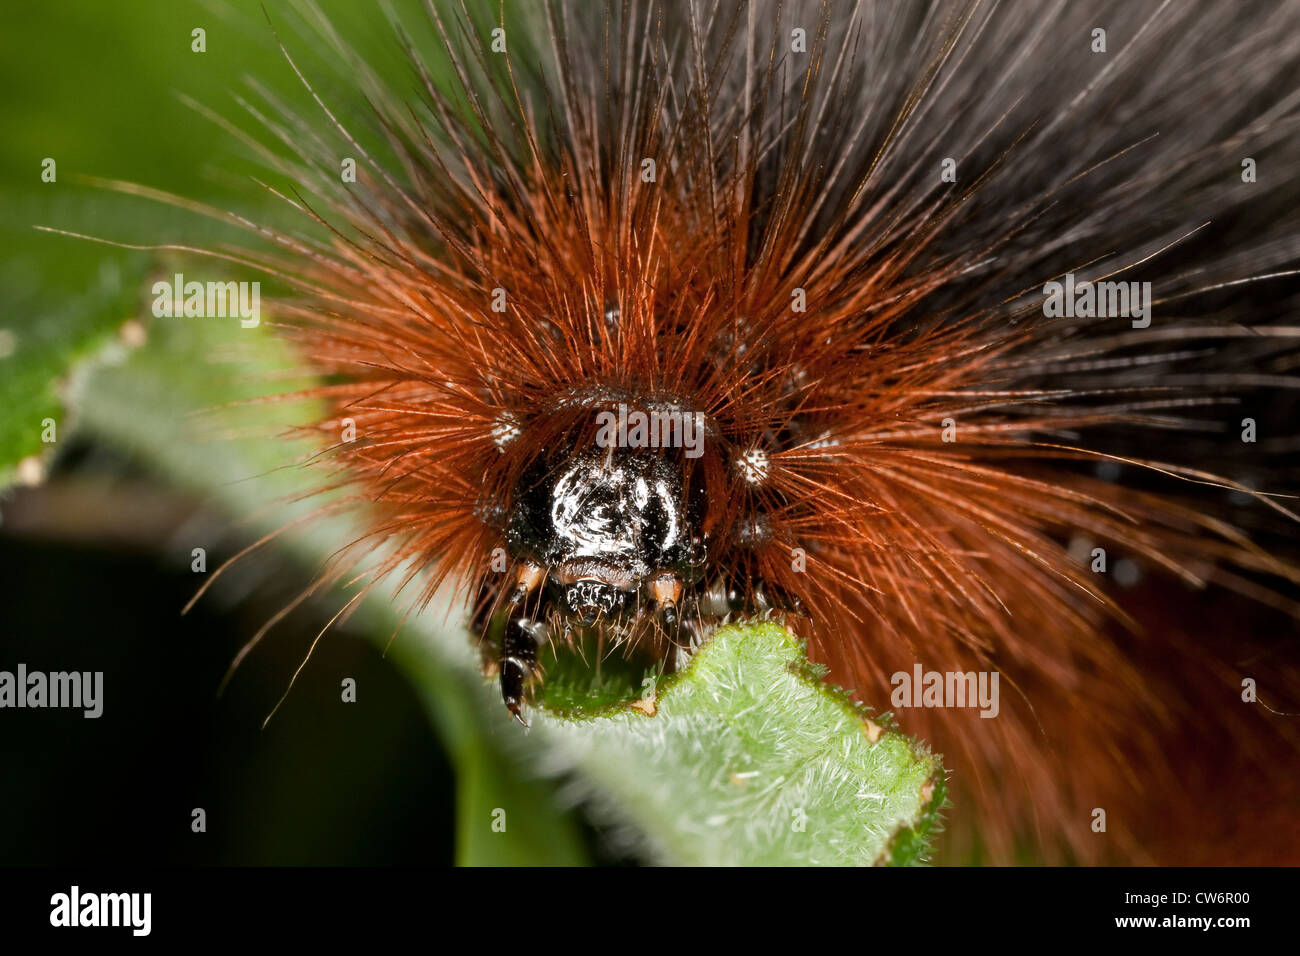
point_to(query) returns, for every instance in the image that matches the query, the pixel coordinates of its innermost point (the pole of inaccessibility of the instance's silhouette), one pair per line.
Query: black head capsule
(606, 538)
(620, 515)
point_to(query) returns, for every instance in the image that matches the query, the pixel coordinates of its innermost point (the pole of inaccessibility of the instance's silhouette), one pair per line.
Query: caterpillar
(893, 319)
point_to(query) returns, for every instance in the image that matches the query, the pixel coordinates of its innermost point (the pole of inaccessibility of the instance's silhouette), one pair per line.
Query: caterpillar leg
(518, 661)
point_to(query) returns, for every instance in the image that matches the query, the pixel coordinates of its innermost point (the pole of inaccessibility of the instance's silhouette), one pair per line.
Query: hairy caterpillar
(850, 242)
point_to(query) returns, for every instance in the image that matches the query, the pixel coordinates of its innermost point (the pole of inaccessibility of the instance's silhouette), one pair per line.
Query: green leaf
(750, 758)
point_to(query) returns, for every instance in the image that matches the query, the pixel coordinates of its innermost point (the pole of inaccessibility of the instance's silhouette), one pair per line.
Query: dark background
(325, 782)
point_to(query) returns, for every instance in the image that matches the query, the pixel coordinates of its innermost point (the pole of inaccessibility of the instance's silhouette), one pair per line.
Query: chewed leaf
(746, 757)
